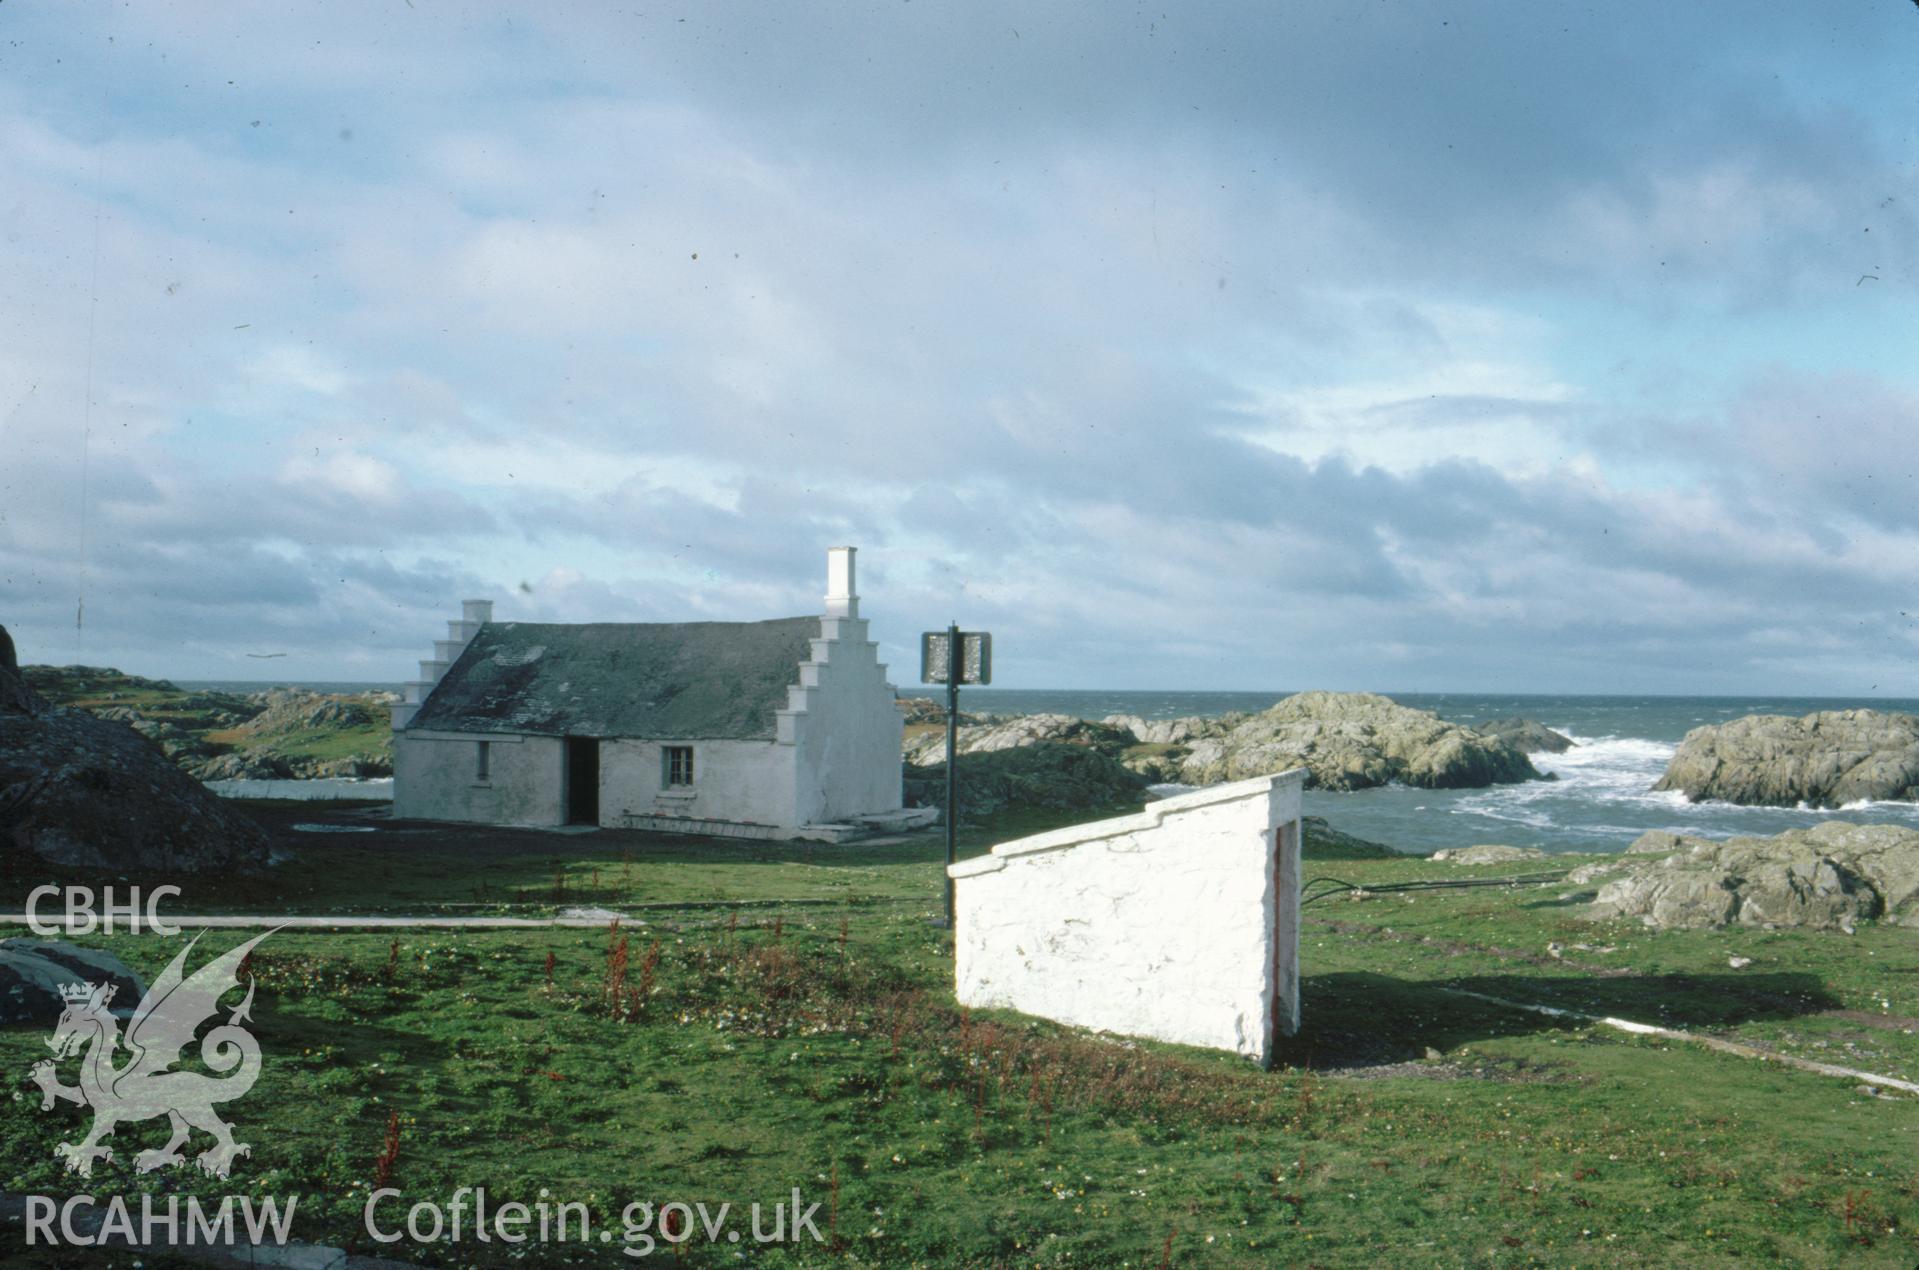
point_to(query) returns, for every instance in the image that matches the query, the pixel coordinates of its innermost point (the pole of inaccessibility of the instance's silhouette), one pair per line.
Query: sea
(1602, 800)
(1603, 797)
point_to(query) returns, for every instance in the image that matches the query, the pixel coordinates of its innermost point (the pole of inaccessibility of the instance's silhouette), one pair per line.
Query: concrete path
(573, 918)
(1700, 1038)
(248, 921)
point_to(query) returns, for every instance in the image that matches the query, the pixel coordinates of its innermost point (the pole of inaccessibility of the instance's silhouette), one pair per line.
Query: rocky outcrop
(929, 710)
(1526, 736)
(89, 792)
(278, 734)
(64, 684)
(1345, 741)
(33, 971)
(1176, 731)
(1017, 731)
(1828, 877)
(14, 693)
(289, 710)
(1489, 853)
(244, 765)
(261, 764)
(1050, 775)
(1826, 759)
(1323, 842)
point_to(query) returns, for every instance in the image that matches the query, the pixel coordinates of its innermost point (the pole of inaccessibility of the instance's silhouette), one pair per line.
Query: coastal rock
(64, 684)
(1489, 853)
(246, 765)
(1355, 740)
(33, 971)
(1827, 759)
(929, 710)
(1526, 736)
(1320, 841)
(1829, 877)
(15, 696)
(1345, 741)
(78, 790)
(1049, 775)
(286, 710)
(354, 768)
(1017, 731)
(1182, 731)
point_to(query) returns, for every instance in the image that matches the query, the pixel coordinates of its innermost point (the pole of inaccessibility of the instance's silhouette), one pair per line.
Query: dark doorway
(582, 780)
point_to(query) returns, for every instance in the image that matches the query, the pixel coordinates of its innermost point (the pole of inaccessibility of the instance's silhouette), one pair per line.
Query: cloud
(1242, 345)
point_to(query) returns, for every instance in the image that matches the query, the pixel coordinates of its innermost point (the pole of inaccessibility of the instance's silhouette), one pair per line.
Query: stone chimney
(842, 651)
(842, 597)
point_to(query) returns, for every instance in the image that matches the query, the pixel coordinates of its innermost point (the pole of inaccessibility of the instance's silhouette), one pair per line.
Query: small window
(483, 761)
(679, 764)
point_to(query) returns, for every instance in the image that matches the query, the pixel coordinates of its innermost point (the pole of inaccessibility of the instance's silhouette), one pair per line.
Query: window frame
(677, 769)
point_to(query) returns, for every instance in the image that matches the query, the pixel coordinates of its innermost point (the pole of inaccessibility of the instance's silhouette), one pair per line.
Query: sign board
(976, 657)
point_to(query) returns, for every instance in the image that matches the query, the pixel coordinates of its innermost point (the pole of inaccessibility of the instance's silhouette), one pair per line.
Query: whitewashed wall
(1180, 923)
(745, 782)
(846, 730)
(434, 779)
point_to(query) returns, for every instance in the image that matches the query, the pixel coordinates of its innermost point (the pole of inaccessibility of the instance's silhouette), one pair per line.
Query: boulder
(1526, 736)
(1490, 853)
(1829, 877)
(1050, 775)
(33, 971)
(1826, 759)
(89, 792)
(1354, 740)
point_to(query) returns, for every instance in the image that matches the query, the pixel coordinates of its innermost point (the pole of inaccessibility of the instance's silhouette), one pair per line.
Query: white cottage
(1180, 923)
(776, 729)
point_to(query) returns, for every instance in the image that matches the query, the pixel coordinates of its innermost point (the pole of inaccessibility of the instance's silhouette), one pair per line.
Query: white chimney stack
(842, 598)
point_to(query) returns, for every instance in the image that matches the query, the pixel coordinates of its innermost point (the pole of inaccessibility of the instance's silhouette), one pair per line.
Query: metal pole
(952, 760)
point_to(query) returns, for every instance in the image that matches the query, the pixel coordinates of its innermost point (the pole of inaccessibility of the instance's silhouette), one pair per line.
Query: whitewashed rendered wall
(434, 779)
(845, 727)
(747, 782)
(1178, 924)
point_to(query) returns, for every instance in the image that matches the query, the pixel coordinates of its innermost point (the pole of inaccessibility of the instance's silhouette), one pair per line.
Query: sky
(1396, 346)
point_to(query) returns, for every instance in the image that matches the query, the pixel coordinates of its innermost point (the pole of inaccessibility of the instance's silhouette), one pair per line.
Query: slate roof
(655, 680)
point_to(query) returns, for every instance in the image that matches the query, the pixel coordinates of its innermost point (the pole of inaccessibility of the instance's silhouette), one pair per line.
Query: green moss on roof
(663, 680)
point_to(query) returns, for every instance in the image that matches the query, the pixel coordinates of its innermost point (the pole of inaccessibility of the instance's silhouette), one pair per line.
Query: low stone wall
(1180, 923)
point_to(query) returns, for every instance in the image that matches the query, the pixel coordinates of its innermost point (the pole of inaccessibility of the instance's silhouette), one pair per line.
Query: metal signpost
(953, 657)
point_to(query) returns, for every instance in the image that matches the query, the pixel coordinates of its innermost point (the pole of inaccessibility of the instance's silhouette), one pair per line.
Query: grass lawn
(791, 1025)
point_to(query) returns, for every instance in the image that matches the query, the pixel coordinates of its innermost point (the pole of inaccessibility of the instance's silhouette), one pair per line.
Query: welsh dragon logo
(144, 1086)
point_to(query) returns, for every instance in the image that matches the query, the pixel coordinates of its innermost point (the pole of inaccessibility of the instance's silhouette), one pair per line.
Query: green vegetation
(716, 1052)
(267, 734)
(321, 744)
